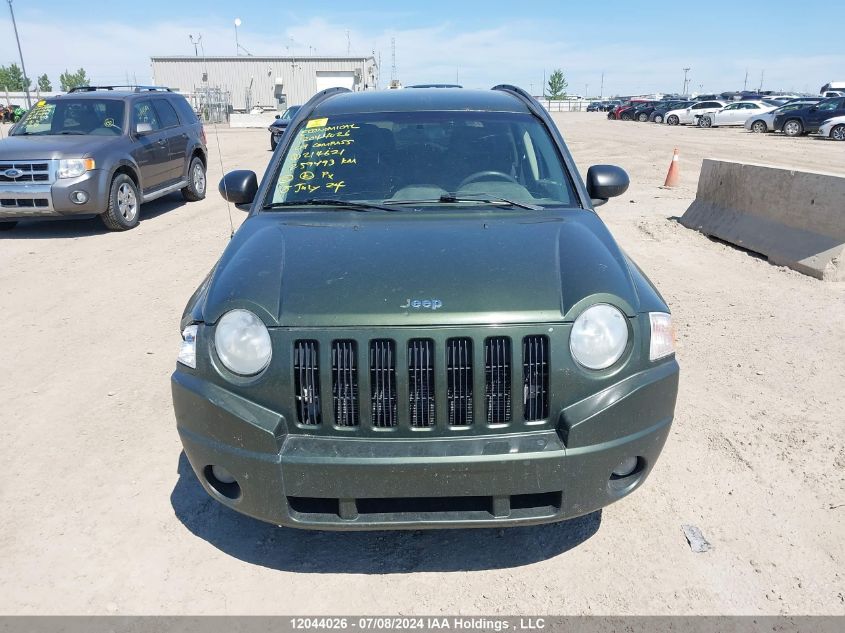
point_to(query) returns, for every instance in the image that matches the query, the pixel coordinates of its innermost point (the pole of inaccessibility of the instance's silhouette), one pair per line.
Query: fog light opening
(222, 481)
(79, 197)
(627, 473)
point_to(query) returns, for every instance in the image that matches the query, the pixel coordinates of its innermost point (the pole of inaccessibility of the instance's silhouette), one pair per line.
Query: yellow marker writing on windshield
(316, 123)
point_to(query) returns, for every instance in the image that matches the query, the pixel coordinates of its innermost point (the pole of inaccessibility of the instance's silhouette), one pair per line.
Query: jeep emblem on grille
(422, 304)
(13, 173)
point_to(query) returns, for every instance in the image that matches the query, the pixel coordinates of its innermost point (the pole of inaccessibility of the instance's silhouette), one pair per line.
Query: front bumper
(23, 201)
(300, 480)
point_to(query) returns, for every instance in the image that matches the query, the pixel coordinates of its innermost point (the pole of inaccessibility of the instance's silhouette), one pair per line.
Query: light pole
(237, 46)
(20, 53)
(686, 70)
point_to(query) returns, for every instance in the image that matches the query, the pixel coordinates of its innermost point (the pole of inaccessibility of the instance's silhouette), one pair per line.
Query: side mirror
(605, 182)
(278, 116)
(143, 128)
(239, 186)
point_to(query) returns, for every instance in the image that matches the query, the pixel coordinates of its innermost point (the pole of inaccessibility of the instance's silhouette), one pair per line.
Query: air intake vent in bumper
(497, 379)
(345, 383)
(535, 377)
(383, 383)
(459, 381)
(421, 382)
(306, 371)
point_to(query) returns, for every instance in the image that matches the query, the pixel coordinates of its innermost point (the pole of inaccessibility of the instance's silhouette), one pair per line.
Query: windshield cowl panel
(450, 157)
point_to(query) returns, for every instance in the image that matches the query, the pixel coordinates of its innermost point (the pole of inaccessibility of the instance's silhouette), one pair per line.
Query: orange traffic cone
(674, 174)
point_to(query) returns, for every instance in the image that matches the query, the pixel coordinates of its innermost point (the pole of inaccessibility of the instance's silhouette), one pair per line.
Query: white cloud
(513, 52)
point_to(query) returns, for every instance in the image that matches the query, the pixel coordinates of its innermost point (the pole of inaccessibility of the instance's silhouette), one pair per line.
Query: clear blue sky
(640, 46)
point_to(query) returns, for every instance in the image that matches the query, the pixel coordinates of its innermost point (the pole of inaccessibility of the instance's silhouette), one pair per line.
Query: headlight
(599, 336)
(75, 167)
(188, 351)
(662, 335)
(242, 342)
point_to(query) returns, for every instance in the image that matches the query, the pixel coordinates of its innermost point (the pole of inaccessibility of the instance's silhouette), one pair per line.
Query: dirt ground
(101, 513)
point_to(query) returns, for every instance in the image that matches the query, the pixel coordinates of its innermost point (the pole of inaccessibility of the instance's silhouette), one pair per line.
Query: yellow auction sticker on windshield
(40, 103)
(317, 123)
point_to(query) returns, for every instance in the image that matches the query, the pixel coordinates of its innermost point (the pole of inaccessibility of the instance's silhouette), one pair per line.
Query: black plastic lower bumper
(356, 483)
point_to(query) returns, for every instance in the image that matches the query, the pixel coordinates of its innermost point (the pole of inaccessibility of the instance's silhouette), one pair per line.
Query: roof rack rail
(132, 88)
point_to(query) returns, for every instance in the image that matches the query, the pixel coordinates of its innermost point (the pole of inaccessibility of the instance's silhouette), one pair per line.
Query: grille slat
(31, 172)
(497, 354)
(459, 381)
(306, 365)
(383, 383)
(535, 378)
(345, 383)
(421, 387)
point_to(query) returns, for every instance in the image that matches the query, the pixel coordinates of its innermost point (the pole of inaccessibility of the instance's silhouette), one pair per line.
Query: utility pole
(686, 71)
(348, 43)
(760, 89)
(20, 52)
(601, 90)
(745, 83)
(237, 45)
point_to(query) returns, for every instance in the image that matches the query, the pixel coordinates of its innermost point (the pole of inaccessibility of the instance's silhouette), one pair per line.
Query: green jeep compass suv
(423, 323)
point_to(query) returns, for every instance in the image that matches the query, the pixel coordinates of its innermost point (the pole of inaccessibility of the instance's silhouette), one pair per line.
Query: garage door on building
(335, 79)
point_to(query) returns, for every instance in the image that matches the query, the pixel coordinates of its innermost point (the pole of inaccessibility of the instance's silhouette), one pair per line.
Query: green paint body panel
(331, 274)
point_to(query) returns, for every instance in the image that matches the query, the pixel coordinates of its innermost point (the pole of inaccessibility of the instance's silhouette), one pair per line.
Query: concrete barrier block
(794, 218)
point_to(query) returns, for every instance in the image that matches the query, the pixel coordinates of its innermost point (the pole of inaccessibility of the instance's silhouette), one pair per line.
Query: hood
(52, 147)
(329, 269)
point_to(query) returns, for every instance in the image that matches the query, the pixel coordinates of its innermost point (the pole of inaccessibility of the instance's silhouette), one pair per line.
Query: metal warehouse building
(268, 82)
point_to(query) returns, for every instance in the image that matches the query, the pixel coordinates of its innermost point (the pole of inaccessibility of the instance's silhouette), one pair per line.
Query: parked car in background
(278, 127)
(595, 106)
(833, 128)
(611, 104)
(101, 151)
(626, 110)
(658, 115)
(833, 93)
(642, 112)
(807, 120)
(764, 121)
(686, 116)
(734, 113)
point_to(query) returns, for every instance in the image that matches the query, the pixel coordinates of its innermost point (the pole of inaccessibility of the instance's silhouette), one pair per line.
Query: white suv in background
(735, 113)
(686, 116)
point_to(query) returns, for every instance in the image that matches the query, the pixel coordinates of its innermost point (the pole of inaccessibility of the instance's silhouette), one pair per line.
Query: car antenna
(216, 138)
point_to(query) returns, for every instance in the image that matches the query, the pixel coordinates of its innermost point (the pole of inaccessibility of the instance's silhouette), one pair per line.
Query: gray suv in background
(101, 151)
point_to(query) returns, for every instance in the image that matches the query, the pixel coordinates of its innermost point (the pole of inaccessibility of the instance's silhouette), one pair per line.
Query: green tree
(12, 79)
(44, 84)
(70, 80)
(557, 85)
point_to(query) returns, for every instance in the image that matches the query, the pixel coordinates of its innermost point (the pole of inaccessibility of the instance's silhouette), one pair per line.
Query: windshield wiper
(72, 132)
(329, 202)
(488, 199)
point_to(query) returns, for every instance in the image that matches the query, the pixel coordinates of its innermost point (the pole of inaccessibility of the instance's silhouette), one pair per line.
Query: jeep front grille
(439, 385)
(306, 371)
(459, 381)
(497, 383)
(345, 383)
(383, 383)
(421, 382)
(535, 378)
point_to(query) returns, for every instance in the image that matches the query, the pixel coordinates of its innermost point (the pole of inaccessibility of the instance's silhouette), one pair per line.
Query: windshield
(100, 117)
(423, 156)
(290, 113)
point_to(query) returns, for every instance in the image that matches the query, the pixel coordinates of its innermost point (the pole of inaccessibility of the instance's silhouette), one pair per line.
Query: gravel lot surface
(103, 515)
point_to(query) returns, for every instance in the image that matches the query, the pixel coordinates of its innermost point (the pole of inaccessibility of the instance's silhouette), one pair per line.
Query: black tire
(837, 133)
(124, 208)
(625, 117)
(705, 121)
(759, 127)
(273, 142)
(658, 118)
(793, 128)
(197, 182)
(642, 118)
(610, 116)
(673, 120)
(8, 226)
